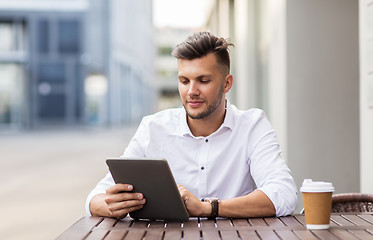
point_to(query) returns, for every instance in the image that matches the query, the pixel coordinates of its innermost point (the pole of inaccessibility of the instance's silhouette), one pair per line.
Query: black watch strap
(214, 207)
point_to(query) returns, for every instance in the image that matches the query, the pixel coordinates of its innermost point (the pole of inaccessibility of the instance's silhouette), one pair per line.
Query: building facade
(75, 62)
(299, 61)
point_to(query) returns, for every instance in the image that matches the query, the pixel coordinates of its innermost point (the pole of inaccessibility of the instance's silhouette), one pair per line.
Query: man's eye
(205, 81)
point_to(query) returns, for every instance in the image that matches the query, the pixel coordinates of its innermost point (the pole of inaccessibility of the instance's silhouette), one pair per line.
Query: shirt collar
(228, 121)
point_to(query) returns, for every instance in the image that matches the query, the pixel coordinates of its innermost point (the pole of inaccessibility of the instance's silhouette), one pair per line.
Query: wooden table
(342, 226)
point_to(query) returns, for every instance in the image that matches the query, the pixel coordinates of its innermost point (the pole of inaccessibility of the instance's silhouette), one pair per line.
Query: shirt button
(206, 140)
(202, 168)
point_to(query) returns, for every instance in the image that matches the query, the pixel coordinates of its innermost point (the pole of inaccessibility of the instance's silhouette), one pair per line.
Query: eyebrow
(198, 77)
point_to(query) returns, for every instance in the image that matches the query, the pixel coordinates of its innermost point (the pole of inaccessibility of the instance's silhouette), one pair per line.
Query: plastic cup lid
(311, 186)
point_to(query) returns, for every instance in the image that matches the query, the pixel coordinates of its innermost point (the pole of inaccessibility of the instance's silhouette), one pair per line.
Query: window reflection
(68, 33)
(7, 38)
(10, 93)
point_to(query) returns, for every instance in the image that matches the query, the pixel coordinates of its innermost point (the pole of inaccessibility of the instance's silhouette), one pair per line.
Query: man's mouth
(195, 104)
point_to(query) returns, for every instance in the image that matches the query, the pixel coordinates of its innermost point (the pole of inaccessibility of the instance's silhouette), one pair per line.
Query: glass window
(12, 36)
(52, 106)
(51, 72)
(7, 39)
(43, 36)
(10, 93)
(68, 36)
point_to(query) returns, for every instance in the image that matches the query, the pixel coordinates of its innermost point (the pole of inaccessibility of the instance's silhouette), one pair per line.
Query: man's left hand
(195, 207)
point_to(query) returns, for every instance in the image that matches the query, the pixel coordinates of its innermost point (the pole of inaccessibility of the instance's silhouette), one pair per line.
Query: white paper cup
(317, 201)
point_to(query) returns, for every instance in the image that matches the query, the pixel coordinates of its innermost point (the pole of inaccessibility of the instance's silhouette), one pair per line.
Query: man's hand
(195, 207)
(117, 202)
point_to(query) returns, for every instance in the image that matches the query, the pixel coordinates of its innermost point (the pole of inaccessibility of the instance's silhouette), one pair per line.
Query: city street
(46, 176)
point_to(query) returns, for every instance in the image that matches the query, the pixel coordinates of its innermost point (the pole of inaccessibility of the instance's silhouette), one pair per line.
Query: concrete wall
(323, 92)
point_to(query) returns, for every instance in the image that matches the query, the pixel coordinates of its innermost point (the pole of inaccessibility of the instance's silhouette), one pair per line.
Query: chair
(352, 202)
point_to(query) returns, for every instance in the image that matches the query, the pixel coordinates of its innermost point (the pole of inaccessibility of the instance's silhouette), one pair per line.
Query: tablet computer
(153, 178)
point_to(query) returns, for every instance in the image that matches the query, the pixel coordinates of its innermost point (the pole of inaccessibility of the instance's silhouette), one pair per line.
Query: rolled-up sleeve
(100, 188)
(270, 172)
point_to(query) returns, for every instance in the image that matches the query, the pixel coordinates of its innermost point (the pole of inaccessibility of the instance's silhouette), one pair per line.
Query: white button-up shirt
(241, 156)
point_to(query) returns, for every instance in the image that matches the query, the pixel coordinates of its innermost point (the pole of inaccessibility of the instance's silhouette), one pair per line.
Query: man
(214, 150)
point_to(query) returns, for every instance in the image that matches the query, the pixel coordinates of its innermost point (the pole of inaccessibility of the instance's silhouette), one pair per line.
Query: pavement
(46, 175)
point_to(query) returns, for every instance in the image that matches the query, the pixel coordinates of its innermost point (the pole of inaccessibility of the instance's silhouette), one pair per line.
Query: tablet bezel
(153, 178)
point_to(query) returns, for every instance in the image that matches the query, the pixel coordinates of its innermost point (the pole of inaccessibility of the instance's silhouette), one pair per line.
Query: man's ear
(228, 83)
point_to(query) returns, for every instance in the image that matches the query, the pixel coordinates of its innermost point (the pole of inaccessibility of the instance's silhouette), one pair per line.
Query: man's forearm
(255, 204)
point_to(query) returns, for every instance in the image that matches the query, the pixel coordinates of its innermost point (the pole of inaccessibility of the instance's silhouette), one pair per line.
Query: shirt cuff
(89, 199)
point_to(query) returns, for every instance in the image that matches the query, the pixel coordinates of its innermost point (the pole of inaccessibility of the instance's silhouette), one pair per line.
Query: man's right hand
(117, 202)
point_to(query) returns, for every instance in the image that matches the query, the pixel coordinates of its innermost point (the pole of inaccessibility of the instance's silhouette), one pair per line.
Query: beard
(210, 107)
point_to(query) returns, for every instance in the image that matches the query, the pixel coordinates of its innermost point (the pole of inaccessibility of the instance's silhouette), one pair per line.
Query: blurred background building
(166, 38)
(65, 62)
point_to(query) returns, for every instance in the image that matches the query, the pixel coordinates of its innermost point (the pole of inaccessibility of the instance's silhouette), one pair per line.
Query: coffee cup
(317, 201)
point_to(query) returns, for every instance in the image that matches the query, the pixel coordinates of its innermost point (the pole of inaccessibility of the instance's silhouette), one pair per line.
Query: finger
(119, 187)
(120, 197)
(123, 212)
(115, 206)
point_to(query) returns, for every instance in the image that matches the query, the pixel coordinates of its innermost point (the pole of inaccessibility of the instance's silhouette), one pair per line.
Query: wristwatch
(214, 207)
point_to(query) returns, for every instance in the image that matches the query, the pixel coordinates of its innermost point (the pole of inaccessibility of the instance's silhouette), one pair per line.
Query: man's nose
(193, 89)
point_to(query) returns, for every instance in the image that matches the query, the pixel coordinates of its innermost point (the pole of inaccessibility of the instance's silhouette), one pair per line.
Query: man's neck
(208, 125)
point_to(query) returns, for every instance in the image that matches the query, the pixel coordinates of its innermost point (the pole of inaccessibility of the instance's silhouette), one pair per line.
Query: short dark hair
(202, 43)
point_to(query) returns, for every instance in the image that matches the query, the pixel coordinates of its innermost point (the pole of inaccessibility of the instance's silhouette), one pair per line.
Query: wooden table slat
(240, 222)
(324, 235)
(156, 224)
(341, 221)
(98, 233)
(257, 222)
(356, 220)
(155, 234)
(116, 234)
(204, 222)
(287, 234)
(190, 234)
(73, 235)
(172, 234)
(301, 219)
(224, 223)
(140, 224)
(173, 225)
(342, 233)
(81, 228)
(366, 217)
(274, 222)
(108, 222)
(137, 234)
(229, 235)
(123, 223)
(362, 234)
(190, 224)
(248, 235)
(290, 221)
(210, 234)
(268, 235)
(305, 234)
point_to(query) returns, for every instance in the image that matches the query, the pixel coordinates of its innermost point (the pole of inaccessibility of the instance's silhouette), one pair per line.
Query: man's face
(201, 85)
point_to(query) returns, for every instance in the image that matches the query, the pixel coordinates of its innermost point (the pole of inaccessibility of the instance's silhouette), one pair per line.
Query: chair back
(352, 202)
